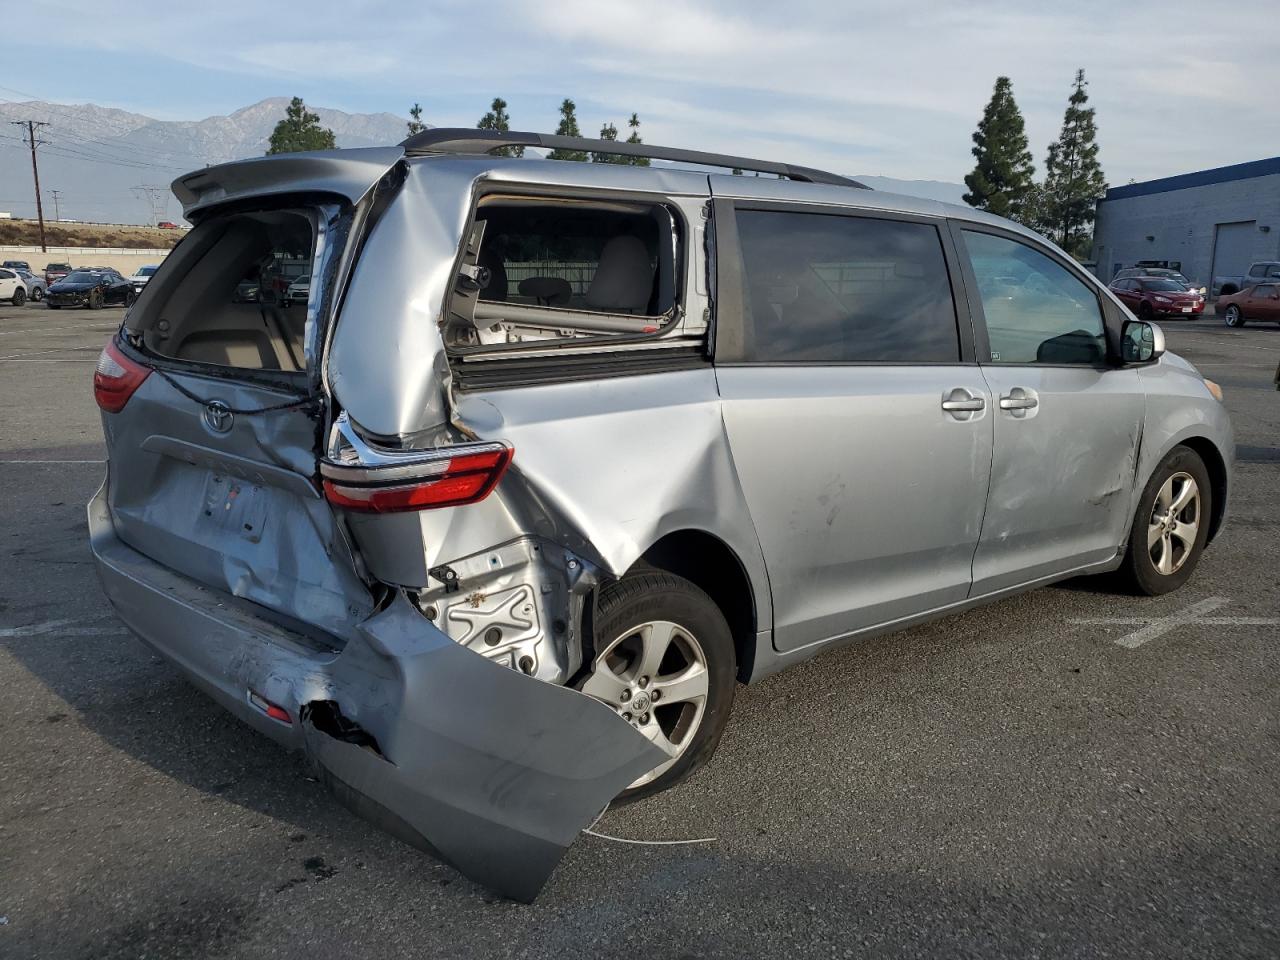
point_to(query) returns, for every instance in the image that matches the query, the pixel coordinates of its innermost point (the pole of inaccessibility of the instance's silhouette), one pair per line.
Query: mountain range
(97, 159)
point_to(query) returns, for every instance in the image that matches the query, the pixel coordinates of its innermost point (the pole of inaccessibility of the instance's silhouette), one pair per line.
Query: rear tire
(1170, 526)
(657, 633)
(20, 296)
(1233, 317)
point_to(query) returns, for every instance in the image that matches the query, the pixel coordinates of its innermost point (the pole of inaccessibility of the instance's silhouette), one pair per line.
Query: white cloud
(880, 86)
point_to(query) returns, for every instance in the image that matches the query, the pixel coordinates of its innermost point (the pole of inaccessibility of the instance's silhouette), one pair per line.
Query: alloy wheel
(1174, 523)
(655, 677)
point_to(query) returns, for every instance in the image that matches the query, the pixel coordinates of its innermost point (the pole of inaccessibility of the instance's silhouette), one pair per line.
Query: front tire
(1233, 317)
(37, 295)
(95, 300)
(1171, 525)
(664, 662)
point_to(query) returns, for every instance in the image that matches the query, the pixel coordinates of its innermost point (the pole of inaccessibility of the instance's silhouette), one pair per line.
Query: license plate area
(233, 505)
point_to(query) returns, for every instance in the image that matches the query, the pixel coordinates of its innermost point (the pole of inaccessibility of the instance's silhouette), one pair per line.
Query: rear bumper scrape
(493, 771)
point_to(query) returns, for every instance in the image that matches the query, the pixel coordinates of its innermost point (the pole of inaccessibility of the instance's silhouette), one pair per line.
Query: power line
(31, 126)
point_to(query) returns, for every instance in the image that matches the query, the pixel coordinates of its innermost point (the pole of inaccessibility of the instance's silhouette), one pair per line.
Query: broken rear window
(223, 297)
(539, 269)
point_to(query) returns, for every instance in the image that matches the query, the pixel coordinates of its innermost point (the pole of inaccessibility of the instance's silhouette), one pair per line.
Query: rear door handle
(1019, 400)
(962, 404)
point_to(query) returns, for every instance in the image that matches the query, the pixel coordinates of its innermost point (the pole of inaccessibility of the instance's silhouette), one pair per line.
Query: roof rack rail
(467, 140)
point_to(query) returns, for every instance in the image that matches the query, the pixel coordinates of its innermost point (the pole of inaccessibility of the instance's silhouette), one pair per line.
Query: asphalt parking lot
(1009, 782)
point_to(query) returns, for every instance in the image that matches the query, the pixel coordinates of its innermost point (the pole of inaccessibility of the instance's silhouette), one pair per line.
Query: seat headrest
(548, 291)
(623, 281)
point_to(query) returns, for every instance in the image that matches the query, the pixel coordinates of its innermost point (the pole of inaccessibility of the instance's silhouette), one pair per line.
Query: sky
(893, 88)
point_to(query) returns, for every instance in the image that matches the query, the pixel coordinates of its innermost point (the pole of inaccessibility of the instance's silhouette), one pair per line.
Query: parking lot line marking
(33, 353)
(58, 360)
(53, 461)
(62, 627)
(1154, 627)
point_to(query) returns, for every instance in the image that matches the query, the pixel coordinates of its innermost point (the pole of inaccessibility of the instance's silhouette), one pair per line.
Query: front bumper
(67, 299)
(1178, 309)
(493, 771)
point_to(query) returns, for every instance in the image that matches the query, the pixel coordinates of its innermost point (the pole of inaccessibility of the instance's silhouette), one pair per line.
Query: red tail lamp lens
(443, 479)
(116, 378)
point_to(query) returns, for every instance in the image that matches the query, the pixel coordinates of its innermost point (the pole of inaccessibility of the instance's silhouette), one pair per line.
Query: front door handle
(962, 404)
(1019, 400)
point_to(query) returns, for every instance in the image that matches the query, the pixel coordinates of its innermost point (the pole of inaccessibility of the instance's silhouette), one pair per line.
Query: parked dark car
(1150, 297)
(16, 265)
(53, 272)
(90, 288)
(1164, 273)
(1261, 301)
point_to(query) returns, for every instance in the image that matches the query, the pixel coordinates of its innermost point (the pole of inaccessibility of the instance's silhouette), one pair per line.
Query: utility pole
(35, 169)
(157, 200)
(57, 211)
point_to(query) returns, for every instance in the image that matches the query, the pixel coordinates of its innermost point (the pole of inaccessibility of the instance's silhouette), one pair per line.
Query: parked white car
(298, 291)
(12, 287)
(141, 276)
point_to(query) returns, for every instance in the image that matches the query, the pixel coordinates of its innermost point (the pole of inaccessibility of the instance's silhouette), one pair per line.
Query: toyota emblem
(218, 416)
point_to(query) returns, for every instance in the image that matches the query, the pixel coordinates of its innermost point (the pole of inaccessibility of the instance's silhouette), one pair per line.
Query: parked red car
(1258, 302)
(1150, 297)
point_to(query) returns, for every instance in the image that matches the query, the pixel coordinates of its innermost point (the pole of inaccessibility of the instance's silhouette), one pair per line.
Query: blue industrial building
(1206, 224)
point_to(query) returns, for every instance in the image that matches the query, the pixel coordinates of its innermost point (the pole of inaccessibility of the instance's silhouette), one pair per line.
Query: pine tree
(1073, 179)
(634, 124)
(498, 119)
(607, 132)
(299, 130)
(415, 120)
(1002, 179)
(568, 128)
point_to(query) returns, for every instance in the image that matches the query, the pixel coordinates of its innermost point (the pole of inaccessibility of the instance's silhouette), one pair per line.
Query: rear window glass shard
(235, 293)
(831, 288)
(541, 269)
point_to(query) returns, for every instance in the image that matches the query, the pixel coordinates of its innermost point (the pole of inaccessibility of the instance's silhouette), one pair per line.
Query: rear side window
(1036, 310)
(539, 269)
(222, 297)
(830, 288)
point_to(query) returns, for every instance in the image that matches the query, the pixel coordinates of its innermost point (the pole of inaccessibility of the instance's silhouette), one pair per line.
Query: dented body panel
(495, 772)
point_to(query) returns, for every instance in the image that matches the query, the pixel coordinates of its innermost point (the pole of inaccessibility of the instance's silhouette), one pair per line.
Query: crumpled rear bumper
(493, 771)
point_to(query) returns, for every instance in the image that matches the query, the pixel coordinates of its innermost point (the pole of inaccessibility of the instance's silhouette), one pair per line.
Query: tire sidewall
(657, 595)
(1146, 578)
(19, 296)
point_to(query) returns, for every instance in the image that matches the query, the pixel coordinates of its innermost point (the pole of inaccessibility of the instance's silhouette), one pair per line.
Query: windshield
(145, 271)
(83, 276)
(1164, 285)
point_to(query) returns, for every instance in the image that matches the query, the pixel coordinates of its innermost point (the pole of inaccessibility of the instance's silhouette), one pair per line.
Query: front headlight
(1214, 389)
(1161, 299)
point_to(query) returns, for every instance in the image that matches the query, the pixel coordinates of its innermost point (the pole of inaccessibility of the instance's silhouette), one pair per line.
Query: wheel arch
(1214, 462)
(711, 564)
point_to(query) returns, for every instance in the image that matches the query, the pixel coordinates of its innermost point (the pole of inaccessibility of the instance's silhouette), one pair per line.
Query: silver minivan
(555, 454)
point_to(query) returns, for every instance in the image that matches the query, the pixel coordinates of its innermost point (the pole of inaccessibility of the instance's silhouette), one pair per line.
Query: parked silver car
(556, 454)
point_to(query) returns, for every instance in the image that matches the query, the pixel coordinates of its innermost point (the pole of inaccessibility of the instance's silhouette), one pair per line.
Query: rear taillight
(450, 477)
(116, 378)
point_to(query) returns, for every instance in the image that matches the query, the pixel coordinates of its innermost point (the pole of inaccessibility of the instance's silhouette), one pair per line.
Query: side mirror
(1142, 342)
